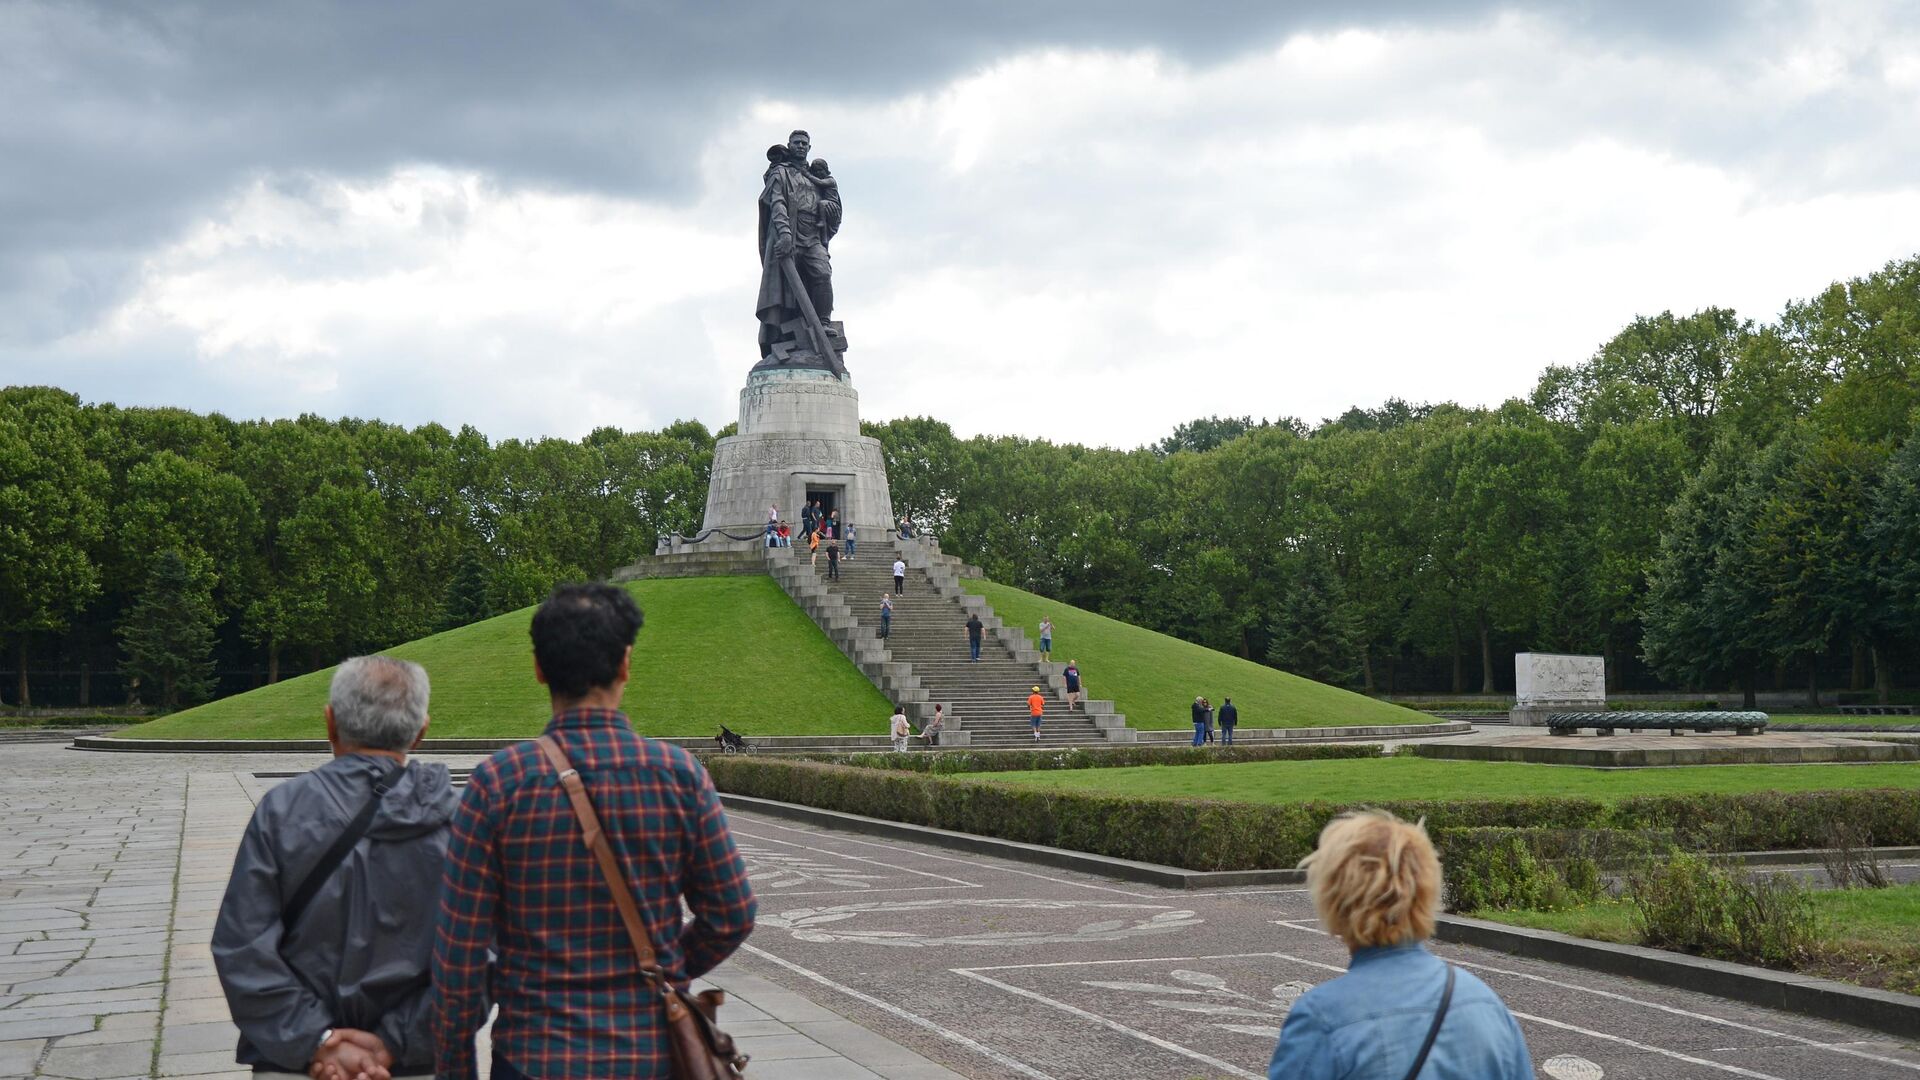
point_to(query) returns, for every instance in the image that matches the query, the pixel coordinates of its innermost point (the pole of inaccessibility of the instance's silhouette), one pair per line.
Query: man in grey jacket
(325, 961)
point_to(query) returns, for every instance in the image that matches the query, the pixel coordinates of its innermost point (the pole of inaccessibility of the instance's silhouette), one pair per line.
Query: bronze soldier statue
(799, 215)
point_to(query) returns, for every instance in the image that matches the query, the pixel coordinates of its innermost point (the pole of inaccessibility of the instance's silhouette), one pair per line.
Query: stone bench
(1673, 723)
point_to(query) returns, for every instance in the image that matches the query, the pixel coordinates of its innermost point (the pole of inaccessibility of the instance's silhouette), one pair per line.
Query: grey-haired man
(325, 935)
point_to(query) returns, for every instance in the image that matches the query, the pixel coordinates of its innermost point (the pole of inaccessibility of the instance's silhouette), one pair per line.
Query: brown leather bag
(701, 1051)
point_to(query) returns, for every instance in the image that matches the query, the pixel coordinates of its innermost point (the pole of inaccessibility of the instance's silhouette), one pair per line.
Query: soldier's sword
(821, 342)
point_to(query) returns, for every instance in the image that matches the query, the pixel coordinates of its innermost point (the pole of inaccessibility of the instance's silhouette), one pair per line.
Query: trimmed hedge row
(1201, 834)
(975, 761)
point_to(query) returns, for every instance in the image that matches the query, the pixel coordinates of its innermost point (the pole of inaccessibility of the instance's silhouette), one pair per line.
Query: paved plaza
(874, 958)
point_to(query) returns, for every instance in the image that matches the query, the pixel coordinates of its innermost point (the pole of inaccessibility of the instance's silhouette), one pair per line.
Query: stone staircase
(925, 659)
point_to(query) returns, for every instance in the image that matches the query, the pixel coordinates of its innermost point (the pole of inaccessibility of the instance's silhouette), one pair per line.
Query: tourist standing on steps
(525, 908)
(851, 530)
(899, 577)
(327, 967)
(901, 729)
(833, 558)
(1046, 639)
(773, 524)
(1036, 704)
(813, 547)
(974, 629)
(886, 615)
(807, 519)
(1199, 720)
(1399, 1009)
(1229, 719)
(932, 729)
(1206, 712)
(1073, 684)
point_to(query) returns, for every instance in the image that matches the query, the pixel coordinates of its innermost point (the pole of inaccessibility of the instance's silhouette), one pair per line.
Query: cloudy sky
(1084, 220)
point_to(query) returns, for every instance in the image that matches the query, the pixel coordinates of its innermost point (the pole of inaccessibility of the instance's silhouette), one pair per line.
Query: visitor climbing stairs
(924, 660)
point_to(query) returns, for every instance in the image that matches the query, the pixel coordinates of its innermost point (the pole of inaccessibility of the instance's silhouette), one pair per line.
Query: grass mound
(1401, 778)
(1153, 678)
(725, 650)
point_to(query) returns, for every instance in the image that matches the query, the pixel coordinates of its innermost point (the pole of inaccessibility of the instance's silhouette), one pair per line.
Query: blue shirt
(1369, 1023)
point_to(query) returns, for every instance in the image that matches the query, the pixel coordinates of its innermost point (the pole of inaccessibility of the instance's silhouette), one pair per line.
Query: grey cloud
(126, 121)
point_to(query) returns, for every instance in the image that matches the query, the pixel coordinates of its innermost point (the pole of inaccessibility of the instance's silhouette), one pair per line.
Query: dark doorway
(828, 498)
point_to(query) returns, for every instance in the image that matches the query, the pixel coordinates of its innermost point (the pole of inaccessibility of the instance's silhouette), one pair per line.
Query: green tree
(1701, 602)
(1657, 367)
(1892, 530)
(168, 635)
(284, 464)
(1503, 522)
(52, 514)
(924, 463)
(1315, 633)
(1627, 478)
(1865, 334)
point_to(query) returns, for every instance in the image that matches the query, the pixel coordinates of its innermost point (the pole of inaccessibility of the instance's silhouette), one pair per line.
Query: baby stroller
(730, 743)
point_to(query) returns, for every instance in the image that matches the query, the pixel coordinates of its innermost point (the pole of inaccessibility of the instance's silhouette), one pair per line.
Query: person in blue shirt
(1375, 882)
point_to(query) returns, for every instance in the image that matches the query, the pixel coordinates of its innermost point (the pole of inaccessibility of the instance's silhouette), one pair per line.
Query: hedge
(975, 761)
(1201, 834)
(1538, 869)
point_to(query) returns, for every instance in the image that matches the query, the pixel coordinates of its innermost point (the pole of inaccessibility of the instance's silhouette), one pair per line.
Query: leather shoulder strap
(1433, 1032)
(342, 844)
(596, 840)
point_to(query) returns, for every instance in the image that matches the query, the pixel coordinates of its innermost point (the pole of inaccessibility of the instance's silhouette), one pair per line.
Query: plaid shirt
(521, 881)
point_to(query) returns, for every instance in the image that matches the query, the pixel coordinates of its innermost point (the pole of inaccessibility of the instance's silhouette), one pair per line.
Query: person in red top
(521, 882)
(1035, 706)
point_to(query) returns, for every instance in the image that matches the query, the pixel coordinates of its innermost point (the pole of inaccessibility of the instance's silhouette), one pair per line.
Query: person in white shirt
(899, 576)
(901, 729)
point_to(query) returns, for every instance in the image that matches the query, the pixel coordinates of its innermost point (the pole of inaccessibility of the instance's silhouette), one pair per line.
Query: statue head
(799, 145)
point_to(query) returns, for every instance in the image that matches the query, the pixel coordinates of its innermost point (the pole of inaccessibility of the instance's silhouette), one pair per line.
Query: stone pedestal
(1546, 683)
(799, 431)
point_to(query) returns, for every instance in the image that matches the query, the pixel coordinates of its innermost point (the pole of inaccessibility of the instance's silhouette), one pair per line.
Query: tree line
(167, 545)
(1707, 501)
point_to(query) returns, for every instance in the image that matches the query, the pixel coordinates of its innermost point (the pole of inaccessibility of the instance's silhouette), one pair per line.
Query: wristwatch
(321, 1045)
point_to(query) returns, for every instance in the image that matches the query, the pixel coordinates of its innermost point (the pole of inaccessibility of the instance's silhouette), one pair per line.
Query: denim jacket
(1369, 1023)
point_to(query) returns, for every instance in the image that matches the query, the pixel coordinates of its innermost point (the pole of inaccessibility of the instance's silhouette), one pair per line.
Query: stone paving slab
(110, 880)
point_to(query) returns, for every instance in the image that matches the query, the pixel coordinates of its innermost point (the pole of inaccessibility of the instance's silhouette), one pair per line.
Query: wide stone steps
(925, 658)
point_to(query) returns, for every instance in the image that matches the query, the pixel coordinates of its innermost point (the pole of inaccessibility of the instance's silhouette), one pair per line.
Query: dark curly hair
(580, 633)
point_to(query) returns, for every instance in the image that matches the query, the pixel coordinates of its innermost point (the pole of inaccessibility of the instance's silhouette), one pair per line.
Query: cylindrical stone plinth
(799, 431)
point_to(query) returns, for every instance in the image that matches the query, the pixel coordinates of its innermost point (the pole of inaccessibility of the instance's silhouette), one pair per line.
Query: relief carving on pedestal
(736, 455)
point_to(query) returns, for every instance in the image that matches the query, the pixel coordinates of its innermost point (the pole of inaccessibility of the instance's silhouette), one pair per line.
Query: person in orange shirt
(1035, 706)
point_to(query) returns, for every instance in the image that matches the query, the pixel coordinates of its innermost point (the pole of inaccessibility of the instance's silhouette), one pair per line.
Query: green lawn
(1862, 935)
(1836, 718)
(726, 650)
(1153, 678)
(1384, 779)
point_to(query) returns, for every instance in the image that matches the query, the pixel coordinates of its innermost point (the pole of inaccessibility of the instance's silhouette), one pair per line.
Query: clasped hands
(352, 1054)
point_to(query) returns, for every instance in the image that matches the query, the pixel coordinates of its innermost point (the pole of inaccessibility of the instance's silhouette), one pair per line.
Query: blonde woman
(1399, 1012)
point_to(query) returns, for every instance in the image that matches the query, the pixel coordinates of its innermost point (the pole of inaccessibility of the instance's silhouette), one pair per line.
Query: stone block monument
(799, 439)
(1553, 682)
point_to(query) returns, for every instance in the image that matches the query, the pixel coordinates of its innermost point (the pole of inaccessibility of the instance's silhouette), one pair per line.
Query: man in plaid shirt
(521, 882)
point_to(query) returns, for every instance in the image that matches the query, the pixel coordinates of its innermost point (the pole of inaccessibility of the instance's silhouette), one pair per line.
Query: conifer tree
(168, 634)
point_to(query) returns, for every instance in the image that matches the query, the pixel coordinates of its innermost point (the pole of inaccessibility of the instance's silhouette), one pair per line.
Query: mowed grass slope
(1393, 778)
(1153, 678)
(724, 650)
